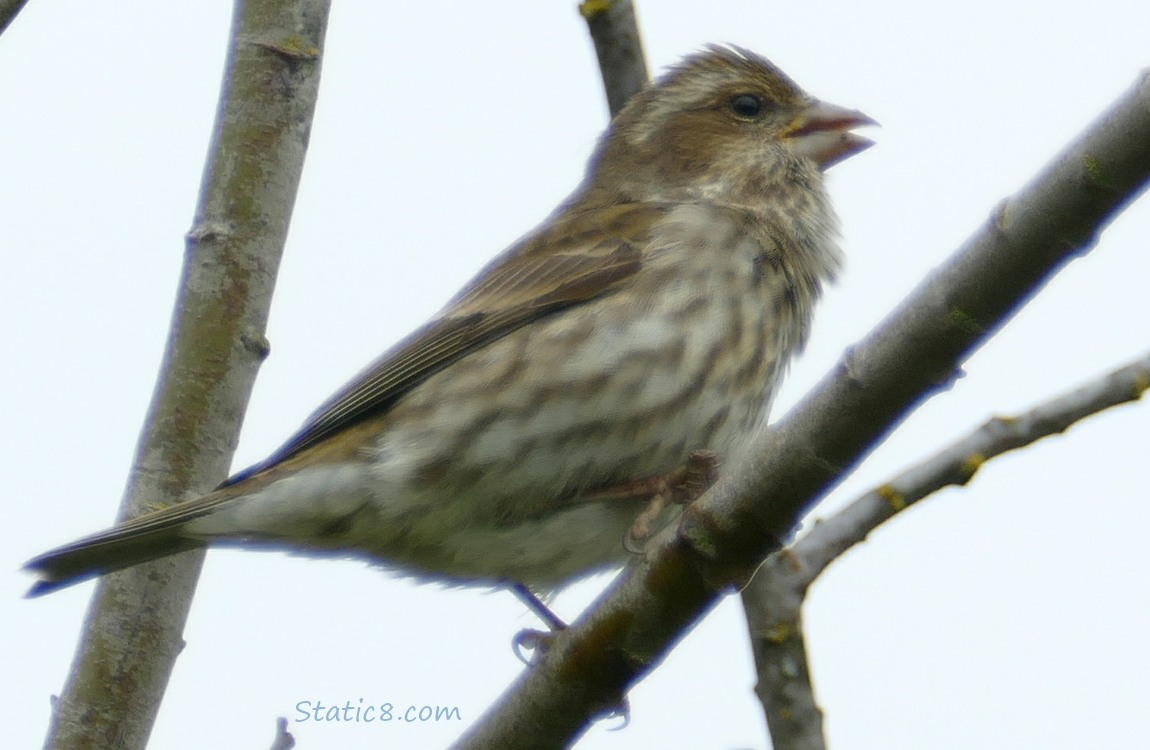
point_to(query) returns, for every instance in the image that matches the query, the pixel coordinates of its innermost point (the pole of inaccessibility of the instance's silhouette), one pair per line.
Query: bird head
(722, 119)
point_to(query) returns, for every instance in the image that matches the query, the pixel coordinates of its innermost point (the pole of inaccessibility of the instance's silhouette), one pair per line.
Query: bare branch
(724, 536)
(283, 739)
(132, 633)
(778, 642)
(774, 598)
(956, 464)
(8, 11)
(615, 33)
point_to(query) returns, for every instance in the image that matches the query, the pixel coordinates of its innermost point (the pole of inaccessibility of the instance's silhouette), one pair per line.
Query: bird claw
(529, 643)
(634, 541)
(681, 486)
(530, 639)
(695, 476)
(623, 711)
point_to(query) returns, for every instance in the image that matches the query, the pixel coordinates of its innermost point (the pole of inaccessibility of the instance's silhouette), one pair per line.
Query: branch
(723, 537)
(615, 33)
(8, 11)
(284, 740)
(773, 600)
(132, 632)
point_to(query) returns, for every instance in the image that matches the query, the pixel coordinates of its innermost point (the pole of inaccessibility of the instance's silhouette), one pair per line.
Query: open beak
(822, 132)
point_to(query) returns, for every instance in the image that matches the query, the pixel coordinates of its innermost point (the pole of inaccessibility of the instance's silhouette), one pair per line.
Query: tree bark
(132, 632)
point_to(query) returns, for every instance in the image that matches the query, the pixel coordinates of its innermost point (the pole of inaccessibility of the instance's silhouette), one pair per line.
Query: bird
(561, 408)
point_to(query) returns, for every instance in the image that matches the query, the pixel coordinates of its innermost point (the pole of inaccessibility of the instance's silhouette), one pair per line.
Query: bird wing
(576, 259)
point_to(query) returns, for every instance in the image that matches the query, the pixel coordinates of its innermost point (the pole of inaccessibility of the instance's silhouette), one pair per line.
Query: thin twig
(774, 598)
(283, 739)
(615, 32)
(8, 12)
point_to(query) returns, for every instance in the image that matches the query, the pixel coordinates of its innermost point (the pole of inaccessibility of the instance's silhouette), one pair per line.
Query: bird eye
(747, 105)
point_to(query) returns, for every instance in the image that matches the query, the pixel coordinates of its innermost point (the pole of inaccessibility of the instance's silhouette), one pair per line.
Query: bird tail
(142, 539)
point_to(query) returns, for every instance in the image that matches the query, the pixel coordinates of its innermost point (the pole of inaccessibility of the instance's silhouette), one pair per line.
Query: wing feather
(542, 275)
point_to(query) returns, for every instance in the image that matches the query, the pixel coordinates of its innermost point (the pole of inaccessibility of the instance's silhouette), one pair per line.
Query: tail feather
(142, 539)
(95, 556)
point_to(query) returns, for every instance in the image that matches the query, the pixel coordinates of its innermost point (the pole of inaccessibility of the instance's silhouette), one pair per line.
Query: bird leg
(682, 485)
(538, 641)
(530, 639)
(536, 605)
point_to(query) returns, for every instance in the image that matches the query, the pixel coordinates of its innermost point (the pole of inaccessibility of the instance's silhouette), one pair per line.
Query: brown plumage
(650, 316)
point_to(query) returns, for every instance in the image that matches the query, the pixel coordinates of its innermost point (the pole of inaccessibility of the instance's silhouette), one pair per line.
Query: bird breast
(617, 389)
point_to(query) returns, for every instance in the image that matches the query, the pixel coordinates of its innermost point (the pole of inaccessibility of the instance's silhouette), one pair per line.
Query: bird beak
(821, 132)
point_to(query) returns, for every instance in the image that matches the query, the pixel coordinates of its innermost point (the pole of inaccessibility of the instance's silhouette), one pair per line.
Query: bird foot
(529, 639)
(682, 485)
(528, 644)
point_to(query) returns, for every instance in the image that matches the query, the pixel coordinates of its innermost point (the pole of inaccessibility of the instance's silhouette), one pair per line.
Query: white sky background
(1008, 614)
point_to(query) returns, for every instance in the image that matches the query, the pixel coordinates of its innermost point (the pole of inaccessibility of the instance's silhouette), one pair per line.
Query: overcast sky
(1011, 613)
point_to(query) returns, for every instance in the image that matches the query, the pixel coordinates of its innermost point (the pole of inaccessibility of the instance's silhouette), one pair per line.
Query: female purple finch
(584, 378)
